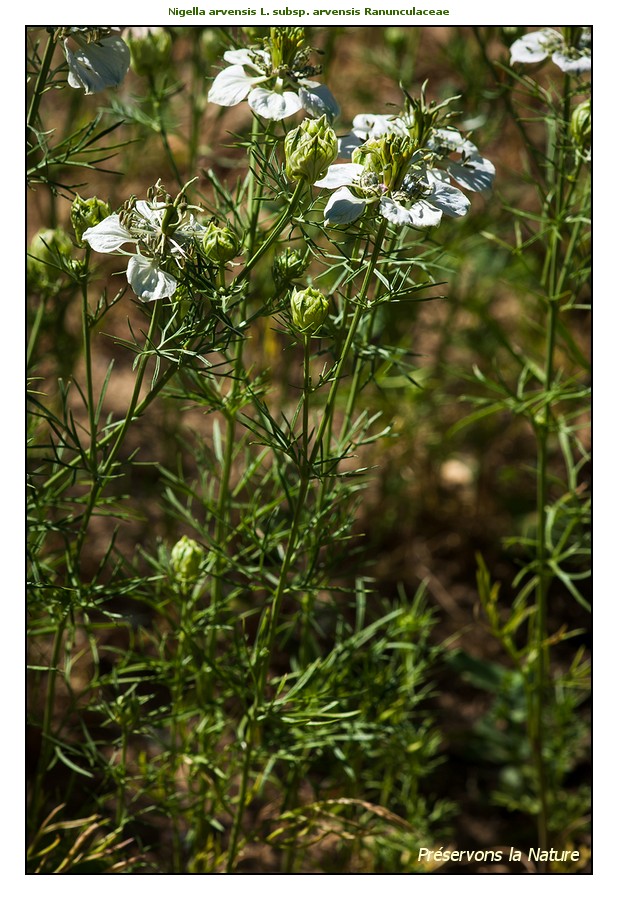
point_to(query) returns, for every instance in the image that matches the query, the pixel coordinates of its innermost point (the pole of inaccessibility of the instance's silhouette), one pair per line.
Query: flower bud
(50, 247)
(581, 125)
(185, 559)
(309, 309)
(288, 266)
(220, 244)
(310, 149)
(150, 48)
(86, 214)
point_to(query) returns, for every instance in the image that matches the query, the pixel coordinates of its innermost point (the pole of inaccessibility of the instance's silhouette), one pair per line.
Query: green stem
(105, 473)
(358, 314)
(553, 279)
(34, 334)
(276, 230)
(86, 335)
(46, 730)
(39, 88)
(157, 98)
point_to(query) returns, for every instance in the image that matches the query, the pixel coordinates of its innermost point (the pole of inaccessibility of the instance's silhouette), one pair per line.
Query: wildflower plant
(207, 640)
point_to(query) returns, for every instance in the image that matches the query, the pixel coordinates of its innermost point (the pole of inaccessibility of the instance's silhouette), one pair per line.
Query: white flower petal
(230, 87)
(151, 212)
(246, 57)
(97, 65)
(419, 215)
(531, 48)
(340, 174)
(108, 236)
(368, 126)
(573, 66)
(348, 144)
(148, 281)
(343, 208)
(319, 101)
(447, 197)
(476, 174)
(272, 105)
(452, 140)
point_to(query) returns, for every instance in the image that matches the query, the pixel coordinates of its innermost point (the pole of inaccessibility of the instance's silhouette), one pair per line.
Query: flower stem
(39, 88)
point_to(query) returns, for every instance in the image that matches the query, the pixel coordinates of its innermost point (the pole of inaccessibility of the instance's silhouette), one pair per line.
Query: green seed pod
(310, 149)
(288, 266)
(220, 245)
(48, 249)
(185, 558)
(150, 47)
(581, 125)
(86, 214)
(309, 309)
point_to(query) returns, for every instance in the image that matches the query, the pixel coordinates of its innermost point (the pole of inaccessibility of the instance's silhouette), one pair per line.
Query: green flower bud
(220, 244)
(309, 309)
(581, 125)
(185, 559)
(50, 247)
(288, 266)
(310, 149)
(150, 47)
(86, 214)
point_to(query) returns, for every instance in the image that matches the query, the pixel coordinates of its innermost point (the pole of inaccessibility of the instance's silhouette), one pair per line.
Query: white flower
(419, 201)
(538, 45)
(160, 238)
(469, 169)
(271, 93)
(100, 59)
